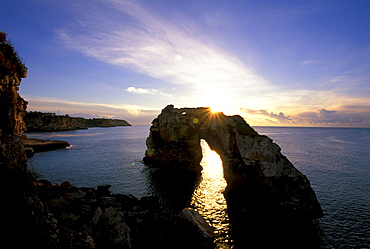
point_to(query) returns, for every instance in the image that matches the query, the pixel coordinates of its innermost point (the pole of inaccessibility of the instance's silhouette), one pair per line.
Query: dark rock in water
(192, 218)
(103, 190)
(34, 145)
(259, 178)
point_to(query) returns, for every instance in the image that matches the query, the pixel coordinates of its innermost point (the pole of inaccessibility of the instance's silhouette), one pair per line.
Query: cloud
(278, 118)
(128, 34)
(139, 90)
(136, 38)
(321, 117)
(339, 118)
(310, 62)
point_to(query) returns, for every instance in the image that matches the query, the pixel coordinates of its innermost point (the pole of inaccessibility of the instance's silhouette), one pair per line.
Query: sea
(335, 160)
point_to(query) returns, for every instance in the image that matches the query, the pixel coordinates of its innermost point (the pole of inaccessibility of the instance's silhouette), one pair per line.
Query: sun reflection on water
(208, 198)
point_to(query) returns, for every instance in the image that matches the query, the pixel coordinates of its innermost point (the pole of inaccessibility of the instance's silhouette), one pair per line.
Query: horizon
(275, 63)
(272, 126)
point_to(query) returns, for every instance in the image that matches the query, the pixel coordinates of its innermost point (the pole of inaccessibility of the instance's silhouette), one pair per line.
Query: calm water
(336, 161)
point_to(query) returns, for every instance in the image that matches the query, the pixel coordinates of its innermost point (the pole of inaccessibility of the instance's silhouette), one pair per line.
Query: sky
(283, 63)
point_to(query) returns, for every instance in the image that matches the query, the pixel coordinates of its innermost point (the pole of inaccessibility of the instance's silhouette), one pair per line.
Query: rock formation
(259, 178)
(12, 107)
(33, 145)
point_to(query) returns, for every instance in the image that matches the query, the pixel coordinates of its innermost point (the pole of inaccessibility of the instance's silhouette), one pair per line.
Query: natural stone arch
(258, 176)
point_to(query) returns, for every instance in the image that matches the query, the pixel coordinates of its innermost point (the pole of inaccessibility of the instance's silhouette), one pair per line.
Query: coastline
(34, 145)
(48, 122)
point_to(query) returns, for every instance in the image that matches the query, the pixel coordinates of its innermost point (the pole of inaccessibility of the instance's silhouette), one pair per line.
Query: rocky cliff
(12, 107)
(39, 121)
(259, 178)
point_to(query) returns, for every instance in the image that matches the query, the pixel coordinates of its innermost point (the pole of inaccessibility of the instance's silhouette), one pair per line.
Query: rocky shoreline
(95, 218)
(34, 145)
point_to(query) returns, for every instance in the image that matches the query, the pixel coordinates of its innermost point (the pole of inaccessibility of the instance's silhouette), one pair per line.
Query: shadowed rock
(39, 145)
(259, 178)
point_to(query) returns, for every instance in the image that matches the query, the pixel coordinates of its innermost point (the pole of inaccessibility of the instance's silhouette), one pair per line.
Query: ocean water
(335, 160)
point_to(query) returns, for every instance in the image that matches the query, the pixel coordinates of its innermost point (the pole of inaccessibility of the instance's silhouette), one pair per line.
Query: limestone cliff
(38, 121)
(12, 107)
(259, 178)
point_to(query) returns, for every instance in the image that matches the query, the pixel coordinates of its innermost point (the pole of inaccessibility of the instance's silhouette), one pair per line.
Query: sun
(224, 108)
(217, 100)
(215, 110)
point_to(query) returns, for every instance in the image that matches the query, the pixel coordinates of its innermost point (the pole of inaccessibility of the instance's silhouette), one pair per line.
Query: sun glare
(215, 110)
(224, 108)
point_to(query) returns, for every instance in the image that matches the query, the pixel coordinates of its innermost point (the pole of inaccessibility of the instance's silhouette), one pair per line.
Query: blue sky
(304, 63)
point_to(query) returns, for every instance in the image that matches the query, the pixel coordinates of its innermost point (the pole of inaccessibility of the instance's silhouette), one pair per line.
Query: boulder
(195, 219)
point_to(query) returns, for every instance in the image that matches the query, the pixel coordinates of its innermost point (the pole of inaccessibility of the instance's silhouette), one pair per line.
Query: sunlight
(211, 159)
(227, 109)
(208, 198)
(214, 109)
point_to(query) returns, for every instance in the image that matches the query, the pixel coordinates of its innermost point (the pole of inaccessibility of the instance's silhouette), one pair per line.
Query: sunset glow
(288, 63)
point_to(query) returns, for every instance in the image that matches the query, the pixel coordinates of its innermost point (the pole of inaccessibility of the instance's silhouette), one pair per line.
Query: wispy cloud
(127, 34)
(277, 118)
(148, 44)
(310, 62)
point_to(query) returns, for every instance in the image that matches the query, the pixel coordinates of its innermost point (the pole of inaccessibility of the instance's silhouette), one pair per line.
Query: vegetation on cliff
(101, 122)
(10, 61)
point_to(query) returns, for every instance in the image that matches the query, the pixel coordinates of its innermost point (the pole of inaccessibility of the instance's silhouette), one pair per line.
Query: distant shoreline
(49, 122)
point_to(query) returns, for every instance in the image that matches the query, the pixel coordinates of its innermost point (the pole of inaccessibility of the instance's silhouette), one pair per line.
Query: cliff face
(12, 108)
(38, 121)
(259, 178)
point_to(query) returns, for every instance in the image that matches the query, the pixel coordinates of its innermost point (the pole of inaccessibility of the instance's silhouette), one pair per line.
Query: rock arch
(258, 176)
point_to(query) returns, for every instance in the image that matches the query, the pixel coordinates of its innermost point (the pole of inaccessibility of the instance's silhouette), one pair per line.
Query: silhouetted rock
(193, 222)
(259, 178)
